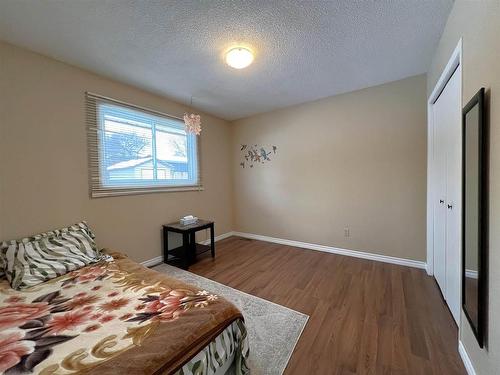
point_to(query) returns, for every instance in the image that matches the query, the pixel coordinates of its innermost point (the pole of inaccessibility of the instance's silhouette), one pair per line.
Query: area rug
(273, 329)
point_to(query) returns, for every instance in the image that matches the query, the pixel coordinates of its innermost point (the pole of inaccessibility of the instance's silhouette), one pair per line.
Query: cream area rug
(273, 329)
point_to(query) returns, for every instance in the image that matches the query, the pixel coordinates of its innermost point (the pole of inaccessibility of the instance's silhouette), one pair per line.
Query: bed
(118, 317)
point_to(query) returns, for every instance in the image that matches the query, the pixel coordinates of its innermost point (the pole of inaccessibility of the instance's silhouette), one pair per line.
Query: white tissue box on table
(188, 220)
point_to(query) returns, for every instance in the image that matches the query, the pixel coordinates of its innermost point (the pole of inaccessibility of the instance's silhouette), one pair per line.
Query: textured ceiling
(305, 50)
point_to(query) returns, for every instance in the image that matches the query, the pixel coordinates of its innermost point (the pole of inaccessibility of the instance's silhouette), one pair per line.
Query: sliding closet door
(447, 162)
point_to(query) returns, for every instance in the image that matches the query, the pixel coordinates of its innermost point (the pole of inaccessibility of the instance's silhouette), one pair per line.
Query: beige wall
(43, 153)
(478, 23)
(356, 160)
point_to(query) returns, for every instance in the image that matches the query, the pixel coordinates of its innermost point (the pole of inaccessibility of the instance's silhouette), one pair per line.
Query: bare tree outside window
(179, 147)
(125, 146)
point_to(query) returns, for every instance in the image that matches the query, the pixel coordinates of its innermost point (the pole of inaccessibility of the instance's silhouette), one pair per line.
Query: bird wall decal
(256, 154)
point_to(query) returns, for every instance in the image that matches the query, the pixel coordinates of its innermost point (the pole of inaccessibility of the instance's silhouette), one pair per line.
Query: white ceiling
(305, 50)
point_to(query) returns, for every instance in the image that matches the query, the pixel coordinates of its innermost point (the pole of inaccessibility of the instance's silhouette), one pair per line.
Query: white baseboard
(336, 250)
(219, 238)
(428, 269)
(465, 359)
(159, 259)
(471, 274)
(310, 246)
(153, 262)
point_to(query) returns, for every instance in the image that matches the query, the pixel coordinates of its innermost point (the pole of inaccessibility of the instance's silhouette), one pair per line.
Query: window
(134, 150)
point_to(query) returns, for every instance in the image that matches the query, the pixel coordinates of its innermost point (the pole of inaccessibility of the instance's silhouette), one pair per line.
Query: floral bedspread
(108, 318)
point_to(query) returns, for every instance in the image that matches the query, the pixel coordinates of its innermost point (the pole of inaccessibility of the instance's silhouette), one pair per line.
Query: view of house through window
(139, 149)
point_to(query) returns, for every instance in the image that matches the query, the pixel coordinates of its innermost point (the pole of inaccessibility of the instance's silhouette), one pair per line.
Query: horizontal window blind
(134, 150)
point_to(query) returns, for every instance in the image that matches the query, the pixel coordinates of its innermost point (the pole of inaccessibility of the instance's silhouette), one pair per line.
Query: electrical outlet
(346, 232)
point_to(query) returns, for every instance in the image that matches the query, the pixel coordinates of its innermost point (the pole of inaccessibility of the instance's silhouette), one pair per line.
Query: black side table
(186, 254)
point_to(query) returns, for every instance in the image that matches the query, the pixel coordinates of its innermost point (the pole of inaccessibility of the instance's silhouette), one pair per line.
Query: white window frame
(99, 185)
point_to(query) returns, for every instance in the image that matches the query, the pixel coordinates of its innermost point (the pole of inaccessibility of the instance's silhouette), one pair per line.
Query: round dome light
(239, 57)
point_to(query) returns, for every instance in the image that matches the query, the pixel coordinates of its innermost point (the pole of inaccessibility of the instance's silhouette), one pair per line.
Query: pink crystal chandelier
(192, 122)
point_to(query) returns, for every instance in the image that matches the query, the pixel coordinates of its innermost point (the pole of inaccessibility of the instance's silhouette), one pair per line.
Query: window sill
(111, 192)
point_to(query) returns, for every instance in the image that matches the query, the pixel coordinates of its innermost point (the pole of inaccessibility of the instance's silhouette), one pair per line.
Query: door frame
(454, 64)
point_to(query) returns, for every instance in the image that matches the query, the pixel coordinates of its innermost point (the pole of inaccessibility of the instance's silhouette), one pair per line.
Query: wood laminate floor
(366, 317)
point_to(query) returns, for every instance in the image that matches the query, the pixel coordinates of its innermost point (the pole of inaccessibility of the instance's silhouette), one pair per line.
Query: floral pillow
(34, 260)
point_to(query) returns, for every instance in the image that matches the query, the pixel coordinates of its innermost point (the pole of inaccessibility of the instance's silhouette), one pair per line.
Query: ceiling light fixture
(239, 57)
